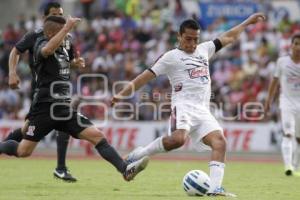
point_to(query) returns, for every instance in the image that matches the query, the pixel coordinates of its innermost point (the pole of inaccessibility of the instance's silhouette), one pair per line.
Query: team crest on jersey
(30, 131)
(198, 72)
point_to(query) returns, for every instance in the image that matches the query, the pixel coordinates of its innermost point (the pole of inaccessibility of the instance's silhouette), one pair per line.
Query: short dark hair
(49, 6)
(56, 19)
(295, 36)
(189, 23)
(53, 24)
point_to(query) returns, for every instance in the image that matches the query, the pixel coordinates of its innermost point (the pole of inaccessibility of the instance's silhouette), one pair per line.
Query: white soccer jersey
(188, 74)
(288, 73)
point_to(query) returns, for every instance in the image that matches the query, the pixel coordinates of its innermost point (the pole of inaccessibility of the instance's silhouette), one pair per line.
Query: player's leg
(208, 135)
(129, 171)
(296, 154)
(177, 136)
(160, 145)
(61, 171)
(38, 127)
(22, 149)
(62, 141)
(31, 136)
(288, 125)
(217, 142)
(82, 128)
(17, 134)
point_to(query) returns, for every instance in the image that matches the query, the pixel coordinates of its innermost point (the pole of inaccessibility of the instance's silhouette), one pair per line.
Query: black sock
(62, 141)
(15, 135)
(111, 155)
(9, 147)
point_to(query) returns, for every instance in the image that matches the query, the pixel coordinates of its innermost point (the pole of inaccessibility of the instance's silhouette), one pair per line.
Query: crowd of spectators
(123, 38)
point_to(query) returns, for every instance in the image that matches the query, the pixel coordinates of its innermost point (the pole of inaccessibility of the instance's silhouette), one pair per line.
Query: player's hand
(78, 62)
(256, 17)
(114, 100)
(13, 81)
(71, 22)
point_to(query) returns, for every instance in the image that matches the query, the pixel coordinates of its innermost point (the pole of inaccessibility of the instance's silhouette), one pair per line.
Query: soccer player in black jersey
(27, 43)
(50, 108)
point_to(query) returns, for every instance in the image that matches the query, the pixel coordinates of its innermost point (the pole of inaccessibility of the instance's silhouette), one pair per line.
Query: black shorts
(62, 118)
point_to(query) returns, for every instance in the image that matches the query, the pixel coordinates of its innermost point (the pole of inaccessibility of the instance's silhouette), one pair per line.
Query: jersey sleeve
(26, 42)
(277, 70)
(210, 47)
(38, 51)
(161, 65)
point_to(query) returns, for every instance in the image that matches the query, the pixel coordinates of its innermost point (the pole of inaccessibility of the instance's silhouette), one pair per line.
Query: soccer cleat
(135, 167)
(64, 175)
(133, 156)
(220, 191)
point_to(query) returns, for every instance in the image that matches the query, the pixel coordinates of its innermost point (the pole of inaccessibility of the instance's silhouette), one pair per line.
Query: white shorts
(198, 123)
(290, 120)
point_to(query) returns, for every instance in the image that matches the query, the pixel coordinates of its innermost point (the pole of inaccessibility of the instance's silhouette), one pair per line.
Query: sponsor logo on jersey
(198, 72)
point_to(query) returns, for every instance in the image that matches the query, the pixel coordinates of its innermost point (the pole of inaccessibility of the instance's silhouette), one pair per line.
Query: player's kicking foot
(220, 192)
(64, 175)
(135, 167)
(133, 156)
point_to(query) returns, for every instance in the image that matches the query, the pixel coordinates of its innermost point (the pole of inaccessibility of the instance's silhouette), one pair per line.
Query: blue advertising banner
(233, 12)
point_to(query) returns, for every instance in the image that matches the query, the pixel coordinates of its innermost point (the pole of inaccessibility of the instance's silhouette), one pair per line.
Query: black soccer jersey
(27, 43)
(52, 74)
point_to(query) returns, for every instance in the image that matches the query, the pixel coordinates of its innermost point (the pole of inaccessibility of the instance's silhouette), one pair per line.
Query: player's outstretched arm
(133, 86)
(56, 40)
(233, 34)
(274, 86)
(13, 78)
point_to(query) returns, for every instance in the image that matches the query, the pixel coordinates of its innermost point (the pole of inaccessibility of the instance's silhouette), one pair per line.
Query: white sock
(216, 174)
(287, 152)
(153, 148)
(296, 156)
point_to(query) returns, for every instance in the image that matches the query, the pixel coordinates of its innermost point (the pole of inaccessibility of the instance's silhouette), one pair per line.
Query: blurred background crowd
(121, 38)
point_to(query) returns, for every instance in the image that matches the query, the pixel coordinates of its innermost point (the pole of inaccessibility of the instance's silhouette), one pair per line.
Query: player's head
(52, 25)
(53, 8)
(296, 44)
(188, 35)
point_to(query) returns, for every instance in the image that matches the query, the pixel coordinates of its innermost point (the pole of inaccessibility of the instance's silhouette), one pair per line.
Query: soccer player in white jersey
(187, 68)
(287, 76)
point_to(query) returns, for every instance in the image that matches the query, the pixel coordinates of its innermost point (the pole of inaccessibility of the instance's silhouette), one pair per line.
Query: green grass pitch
(32, 179)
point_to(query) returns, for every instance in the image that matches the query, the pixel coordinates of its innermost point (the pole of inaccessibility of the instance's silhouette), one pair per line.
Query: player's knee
(177, 142)
(24, 153)
(219, 144)
(92, 135)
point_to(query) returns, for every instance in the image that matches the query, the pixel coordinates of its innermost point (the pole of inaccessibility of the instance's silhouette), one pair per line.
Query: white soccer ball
(196, 183)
